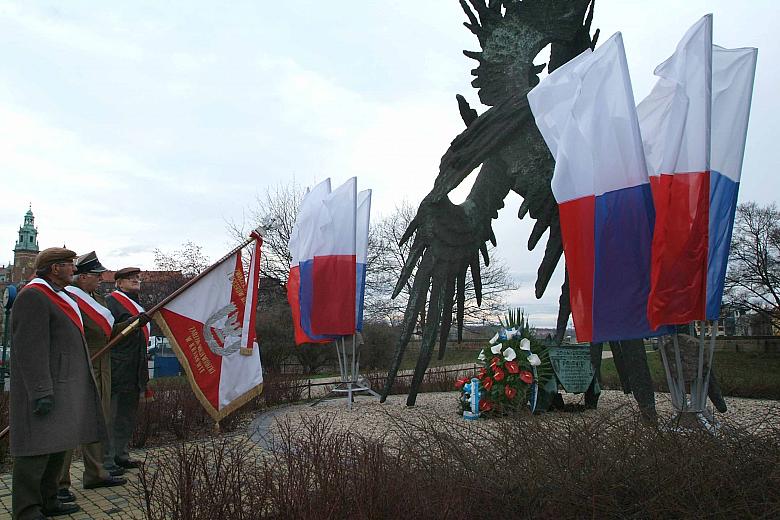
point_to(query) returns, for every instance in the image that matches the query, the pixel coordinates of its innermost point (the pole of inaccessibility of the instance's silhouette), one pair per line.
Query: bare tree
(753, 277)
(189, 260)
(276, 211)
(386, 259)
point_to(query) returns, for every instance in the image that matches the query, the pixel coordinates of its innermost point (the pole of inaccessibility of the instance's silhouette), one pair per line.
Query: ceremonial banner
(694, 126)
(207, 327)
(586, 113)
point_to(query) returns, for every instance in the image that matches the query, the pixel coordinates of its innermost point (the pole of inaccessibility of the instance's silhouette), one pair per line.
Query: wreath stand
(351, 382)
(689, 381)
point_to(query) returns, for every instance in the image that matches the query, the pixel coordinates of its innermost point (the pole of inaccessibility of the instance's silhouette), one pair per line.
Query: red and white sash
(133, 308)
(90, 306)
(60, 300)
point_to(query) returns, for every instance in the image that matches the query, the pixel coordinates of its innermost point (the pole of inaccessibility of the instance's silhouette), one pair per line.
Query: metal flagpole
(673, 390)
(680, 377)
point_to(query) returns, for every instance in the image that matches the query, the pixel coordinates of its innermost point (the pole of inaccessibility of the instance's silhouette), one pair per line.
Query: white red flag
(208, 326)
(585, 112)
(328, 266)
(694, 126)
(308, 212)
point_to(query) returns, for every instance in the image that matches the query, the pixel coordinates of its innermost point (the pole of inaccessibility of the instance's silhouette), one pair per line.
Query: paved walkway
(116, 503)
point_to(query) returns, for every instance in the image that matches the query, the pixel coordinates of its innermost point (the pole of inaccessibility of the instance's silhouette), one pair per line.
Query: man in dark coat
(55, 404)
(129, 372)
(99, 327)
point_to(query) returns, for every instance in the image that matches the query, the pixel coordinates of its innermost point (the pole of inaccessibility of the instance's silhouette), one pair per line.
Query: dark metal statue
(506, 146)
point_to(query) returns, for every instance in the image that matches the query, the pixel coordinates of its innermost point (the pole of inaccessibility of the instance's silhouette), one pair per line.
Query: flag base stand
(352, 383)
(688, 382)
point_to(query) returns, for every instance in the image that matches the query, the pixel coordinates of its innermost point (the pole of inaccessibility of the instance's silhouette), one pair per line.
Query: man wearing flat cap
(55, 405)
(99, 327)
(129, 373)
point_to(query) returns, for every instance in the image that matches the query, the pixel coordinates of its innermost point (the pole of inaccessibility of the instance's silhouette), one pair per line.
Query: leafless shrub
(175, 414)
(282, 388)
(561, 465)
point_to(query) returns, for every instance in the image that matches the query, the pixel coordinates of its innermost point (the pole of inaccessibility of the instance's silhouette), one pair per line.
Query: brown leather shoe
(107, 482)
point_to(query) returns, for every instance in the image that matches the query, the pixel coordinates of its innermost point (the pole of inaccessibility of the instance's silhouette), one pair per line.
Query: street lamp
(9, 295)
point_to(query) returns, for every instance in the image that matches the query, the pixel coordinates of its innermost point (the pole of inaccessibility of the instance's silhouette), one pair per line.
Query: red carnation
(512, 367)
(487, 383)
(499, 375)
(526, 377)
(485, 406)
(510, 392)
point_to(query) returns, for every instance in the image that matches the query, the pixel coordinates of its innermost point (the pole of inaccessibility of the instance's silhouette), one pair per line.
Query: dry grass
(563, 465)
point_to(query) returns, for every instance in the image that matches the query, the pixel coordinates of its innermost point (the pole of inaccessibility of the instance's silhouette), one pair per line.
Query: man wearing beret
(129, 373)
(99, 327)
(55, 405)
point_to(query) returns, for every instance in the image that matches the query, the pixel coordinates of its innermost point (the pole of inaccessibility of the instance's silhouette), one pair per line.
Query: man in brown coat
(55, 404)
(99, 326)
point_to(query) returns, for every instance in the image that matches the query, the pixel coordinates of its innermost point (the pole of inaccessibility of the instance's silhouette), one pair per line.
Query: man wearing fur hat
(55, 405)
(99, 327)
(129, 373)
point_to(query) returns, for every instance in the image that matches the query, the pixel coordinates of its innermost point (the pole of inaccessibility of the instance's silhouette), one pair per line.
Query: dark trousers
(92, 454)
(124, 409)
(34, 485)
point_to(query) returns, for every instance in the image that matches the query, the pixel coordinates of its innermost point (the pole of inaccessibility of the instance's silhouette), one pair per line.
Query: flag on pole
(585, 111)
(361, 244)
(207, 329)
(733, 71)
(700, 88)
(308, 212)
(328, 265)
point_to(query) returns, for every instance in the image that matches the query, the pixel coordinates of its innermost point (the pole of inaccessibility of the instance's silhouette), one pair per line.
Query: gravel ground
(367, 417)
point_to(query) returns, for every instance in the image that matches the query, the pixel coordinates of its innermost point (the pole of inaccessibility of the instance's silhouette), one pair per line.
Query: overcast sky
(131, 126)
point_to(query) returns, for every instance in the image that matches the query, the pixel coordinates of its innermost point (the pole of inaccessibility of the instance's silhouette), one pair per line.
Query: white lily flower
(525, 344)
(496, 349)
(494, 339)
(534, 360)
(510, 354)
(481, 356)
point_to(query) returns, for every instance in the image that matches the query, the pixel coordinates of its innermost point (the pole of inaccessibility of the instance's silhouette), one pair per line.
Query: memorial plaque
(572, 367)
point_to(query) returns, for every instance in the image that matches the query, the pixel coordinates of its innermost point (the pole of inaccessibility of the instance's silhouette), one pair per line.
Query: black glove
(143, 319)
(43, 405)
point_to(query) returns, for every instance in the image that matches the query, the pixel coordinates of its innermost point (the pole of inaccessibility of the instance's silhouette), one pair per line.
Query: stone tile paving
(116, 503)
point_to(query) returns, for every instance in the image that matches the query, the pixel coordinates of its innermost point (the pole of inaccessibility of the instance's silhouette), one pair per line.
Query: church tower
(25, 249)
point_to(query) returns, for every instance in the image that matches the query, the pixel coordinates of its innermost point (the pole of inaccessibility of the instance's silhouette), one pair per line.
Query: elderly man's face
(131, 284)
(88, 282)
(62, 272)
